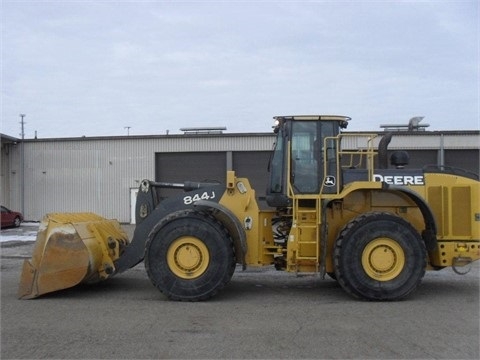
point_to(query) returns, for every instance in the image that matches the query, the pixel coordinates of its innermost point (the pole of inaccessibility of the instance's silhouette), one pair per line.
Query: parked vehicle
(11, 218)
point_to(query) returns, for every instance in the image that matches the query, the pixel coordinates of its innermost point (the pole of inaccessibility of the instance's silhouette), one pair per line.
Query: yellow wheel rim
(188, 257)
(383, 259)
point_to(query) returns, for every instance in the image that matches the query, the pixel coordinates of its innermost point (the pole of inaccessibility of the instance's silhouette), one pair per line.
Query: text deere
(399, 179)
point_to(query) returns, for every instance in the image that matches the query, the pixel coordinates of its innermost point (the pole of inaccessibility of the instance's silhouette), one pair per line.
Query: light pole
(22, 165)
(128, 129)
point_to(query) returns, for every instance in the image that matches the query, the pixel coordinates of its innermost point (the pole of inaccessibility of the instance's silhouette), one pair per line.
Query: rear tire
(379, 256)
(17, 222)
(191, 257)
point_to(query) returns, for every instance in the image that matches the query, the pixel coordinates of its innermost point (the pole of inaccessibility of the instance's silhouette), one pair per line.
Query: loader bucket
(71, 248)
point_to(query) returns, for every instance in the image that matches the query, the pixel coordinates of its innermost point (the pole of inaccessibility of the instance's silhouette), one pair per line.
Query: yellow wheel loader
(372, 224)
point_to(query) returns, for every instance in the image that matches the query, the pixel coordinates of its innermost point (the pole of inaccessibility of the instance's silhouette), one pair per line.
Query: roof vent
(413, 125)
(203, 130)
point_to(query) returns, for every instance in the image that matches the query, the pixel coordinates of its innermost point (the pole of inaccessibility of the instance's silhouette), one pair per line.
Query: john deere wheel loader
(375, 227)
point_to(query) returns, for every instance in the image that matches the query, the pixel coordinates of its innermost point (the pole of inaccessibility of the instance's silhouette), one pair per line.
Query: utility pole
(128, 129)
(22, 185)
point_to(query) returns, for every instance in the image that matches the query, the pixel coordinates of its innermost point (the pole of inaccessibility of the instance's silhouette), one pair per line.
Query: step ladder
(308, 222)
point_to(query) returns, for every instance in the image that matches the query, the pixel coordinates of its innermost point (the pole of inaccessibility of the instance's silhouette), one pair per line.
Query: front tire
(191, 257)
(379, 256)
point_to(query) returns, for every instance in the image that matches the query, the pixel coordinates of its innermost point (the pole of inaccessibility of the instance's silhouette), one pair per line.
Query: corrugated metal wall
(418, 140)
(6, 158)
(97, 174)
(89, 175)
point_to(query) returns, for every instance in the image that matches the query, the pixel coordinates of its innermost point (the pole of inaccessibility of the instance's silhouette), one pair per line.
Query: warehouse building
(102, 174)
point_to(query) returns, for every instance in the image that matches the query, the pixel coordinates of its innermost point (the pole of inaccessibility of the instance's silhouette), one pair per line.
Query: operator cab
(304, 150)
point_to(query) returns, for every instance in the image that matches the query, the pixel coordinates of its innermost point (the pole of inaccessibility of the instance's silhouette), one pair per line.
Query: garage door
(253, 165)
(191, 166)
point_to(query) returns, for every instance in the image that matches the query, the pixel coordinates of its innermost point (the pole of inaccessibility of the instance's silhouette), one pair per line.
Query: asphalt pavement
(261, 314)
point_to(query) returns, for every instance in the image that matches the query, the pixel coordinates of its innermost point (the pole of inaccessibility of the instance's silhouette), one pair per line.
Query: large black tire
(379, 256)
(191, 257)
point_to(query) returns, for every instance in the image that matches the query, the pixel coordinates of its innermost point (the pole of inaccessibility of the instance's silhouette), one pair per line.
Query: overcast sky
(95, 67)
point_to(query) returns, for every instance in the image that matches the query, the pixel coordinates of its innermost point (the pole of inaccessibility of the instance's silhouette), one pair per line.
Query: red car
(10, 218)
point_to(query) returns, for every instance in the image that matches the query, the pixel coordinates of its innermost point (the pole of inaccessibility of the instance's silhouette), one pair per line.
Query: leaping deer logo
(329, 180)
